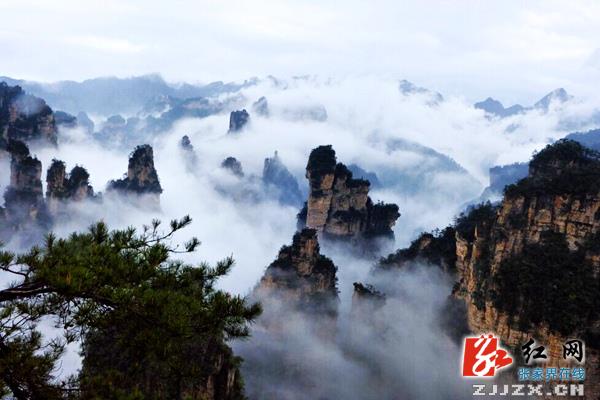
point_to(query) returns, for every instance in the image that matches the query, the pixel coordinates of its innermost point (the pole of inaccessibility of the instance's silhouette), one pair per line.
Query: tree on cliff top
(563, 167)
(150, 327)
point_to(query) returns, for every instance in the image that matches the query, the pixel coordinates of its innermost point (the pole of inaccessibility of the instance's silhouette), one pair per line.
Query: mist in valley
(431, 157)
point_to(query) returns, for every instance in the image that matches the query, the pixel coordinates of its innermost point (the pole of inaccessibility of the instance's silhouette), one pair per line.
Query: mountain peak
(559, 95)
(495, 107)
(408, 88)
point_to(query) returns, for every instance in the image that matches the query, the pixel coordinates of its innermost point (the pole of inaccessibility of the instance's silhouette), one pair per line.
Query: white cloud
(512, 50)
(105, 44)
(365, 113)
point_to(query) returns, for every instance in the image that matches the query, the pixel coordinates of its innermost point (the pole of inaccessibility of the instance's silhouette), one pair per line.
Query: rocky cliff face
(24, 117)
(142, 178)
(64, 119)
(225, 383)
(366, 310)
(261, 107)
(234, 166)
(530, 267)
(278, 179)
(61, 187)
(24, 202)
(189, 155)
(84, 121)
(237, 120)
(186, 143)
(366, 300)
(534, 265)
(302, 276)
(56, 179)
(338, 205)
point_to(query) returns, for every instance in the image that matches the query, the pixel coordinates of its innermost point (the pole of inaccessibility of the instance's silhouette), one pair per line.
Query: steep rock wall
(338, 205)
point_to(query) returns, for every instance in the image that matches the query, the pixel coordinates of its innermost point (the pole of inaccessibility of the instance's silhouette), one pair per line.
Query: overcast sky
(512, 50)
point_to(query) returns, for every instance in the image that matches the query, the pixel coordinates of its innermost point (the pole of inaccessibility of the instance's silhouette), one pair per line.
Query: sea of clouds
(432, 158)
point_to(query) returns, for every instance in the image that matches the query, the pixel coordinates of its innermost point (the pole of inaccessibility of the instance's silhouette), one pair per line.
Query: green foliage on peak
(436, 248)
(322, 160)
(481, 215)
(564, 167)
(564, 151)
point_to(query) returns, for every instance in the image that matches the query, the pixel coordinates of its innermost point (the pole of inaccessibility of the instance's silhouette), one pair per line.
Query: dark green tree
(151, 327)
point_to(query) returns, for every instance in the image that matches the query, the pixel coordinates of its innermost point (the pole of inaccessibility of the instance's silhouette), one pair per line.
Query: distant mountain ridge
(111, 95)
(494, 107)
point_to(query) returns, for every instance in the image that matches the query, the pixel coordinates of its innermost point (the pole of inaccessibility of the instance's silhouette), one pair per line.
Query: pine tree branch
(23, 291)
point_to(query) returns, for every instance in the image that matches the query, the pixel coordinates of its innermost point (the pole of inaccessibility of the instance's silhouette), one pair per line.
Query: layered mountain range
(495, 108)
(527, 266)
(110, 95)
